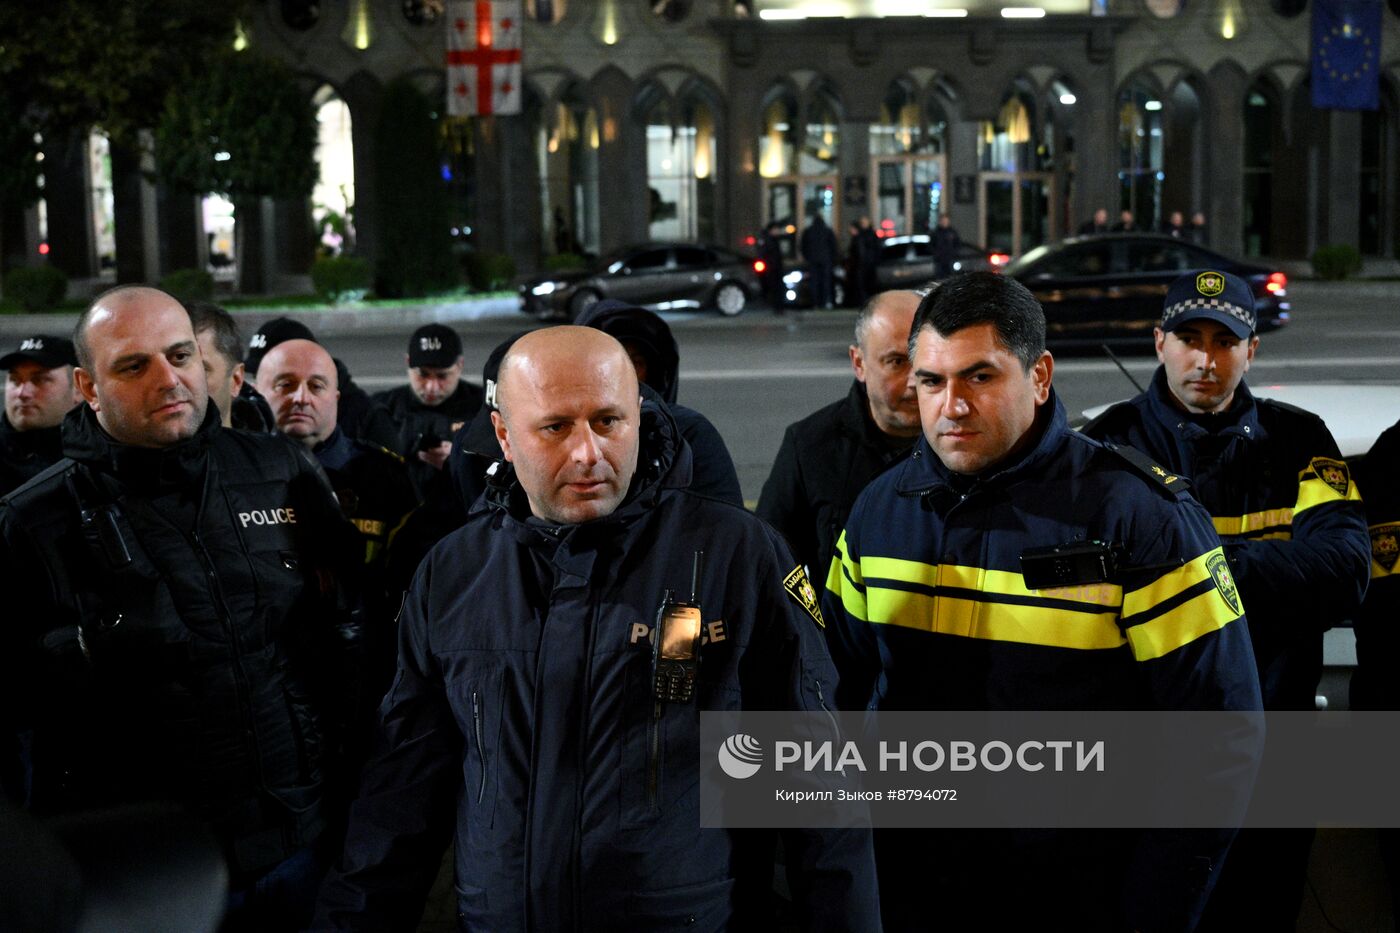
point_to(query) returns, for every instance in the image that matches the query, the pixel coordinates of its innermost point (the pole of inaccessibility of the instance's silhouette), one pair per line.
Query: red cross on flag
(483, 57)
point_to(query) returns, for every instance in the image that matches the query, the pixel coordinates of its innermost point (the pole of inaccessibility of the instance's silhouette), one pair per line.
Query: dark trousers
(821, 277)
(282, 899)
(1261, 883)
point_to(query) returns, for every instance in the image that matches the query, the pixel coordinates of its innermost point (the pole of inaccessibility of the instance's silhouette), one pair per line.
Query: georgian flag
(483, 57)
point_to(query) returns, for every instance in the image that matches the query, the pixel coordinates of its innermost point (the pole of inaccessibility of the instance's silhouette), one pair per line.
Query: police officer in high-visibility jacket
(929, 608)
(1283, 502)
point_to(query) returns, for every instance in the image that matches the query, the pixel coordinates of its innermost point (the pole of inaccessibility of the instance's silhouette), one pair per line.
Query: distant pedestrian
(819, 249)
(770, 253)
(1198, 233)
(1175, 226)
(945, 247)
(1126, 223)
(1099, 224)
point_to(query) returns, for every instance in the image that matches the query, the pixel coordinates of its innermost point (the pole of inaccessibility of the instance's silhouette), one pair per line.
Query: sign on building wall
(484, 74)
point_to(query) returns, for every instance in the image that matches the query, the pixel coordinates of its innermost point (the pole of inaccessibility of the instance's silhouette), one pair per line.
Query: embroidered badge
(1385, 545)
(1332, 472)
(800, 589)
(1210, 284)
(1219, 569)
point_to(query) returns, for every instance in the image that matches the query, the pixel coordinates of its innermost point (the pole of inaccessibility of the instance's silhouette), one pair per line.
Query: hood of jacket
(647, 330)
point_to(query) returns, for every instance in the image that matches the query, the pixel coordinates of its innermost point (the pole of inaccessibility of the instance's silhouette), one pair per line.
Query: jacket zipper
(480, 747)
(653, 754)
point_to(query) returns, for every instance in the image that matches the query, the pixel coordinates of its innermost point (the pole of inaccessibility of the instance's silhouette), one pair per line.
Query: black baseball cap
(46, 350)
(278, 330)
(1214, 296)
(435, 346)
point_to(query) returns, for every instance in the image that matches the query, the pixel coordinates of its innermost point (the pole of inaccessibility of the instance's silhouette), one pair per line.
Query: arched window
(567, 143)
(1141, 172)
(681, 155)
(778, 144)
(333, 198)
(821, 143)
(1016, 188)
(1010, 143)
(1261, 111)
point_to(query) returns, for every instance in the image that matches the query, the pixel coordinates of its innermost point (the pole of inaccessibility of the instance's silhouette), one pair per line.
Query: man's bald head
(299, 381)
(139, 367)
(567, 350)
(569, 421)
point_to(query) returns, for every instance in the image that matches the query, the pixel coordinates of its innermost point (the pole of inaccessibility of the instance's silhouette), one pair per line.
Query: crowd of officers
(346, 630)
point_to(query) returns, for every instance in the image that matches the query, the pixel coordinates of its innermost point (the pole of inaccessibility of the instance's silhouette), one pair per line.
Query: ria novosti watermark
(1049, 769)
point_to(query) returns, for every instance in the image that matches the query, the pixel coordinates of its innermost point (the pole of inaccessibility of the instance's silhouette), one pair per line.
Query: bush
(565, 262)
(489, 272)
(1336, 262)
(341, 278)
(36, 288)
(189, 285)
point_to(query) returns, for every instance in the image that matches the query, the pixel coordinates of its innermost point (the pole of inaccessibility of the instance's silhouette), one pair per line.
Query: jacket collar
(34, 441)
(145, 468)
(924, 474)
(1240, 420)
(663, 463)
(336, 451)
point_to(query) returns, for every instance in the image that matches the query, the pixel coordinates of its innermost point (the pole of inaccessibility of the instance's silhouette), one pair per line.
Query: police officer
(357, 414)
(928, 608)
(434, 405)
(827, 458)
(168, 635)
(1294, 529)
(298, 378)
(1374, 685)
(525, 686)
(38, 393)
(221, 345)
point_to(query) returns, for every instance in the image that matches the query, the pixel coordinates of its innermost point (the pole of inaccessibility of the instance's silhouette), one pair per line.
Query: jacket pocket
(694, 908)
(476, 699)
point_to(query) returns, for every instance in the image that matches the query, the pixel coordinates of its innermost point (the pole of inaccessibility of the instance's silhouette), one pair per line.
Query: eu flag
(1346, 48)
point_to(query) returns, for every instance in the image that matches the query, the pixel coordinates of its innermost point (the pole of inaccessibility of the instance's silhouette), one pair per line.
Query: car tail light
(999, 259)
(750, 240)
(1276, 284)
(759, 265)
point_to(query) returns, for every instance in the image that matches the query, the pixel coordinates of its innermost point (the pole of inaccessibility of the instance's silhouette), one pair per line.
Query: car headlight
(545, 288)
(793, 277)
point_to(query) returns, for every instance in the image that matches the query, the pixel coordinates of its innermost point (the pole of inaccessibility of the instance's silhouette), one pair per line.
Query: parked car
(1111, 288)
(659, 276)
(905, 262)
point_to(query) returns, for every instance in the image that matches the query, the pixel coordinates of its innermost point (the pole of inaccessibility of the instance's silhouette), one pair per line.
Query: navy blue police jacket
(521, 718)
(927, 608)
(173, 633)
(1373, 682)
(1286, 507)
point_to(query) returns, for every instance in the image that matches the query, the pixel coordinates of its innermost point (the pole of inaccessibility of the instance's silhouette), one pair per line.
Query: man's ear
(857, 362)
(237, 377)
(502, 435)
(1042, 372)
(86, 388)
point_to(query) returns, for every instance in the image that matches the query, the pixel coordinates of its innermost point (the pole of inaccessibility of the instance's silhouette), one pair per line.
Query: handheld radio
(675, 657)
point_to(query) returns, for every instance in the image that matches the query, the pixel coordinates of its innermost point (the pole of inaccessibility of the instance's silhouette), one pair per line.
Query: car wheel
(730, 299)
(580, 302)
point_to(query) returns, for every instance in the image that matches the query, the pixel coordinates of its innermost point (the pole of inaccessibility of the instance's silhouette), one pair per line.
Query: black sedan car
(905, 262)
(1111, 288)
(659, 276)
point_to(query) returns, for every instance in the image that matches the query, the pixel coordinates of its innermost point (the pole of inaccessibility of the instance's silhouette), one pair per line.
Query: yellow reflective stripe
(852, 599)
(1313, 491)
(1254, 521)
(992, 621)
(1168, 585)
(1001, 582)
(1205, 613)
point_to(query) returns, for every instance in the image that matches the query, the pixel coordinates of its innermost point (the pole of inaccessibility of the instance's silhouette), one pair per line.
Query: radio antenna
(695, 578)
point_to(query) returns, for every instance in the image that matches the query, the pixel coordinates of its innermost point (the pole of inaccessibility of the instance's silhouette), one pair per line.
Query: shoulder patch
(1169, 482)
(1385, 545)
(1219, 566)
(801, 590)
(1332, 472)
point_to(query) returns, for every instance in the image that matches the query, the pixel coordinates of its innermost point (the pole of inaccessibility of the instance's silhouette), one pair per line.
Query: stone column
(1224, 190)
(72, 246)
(1340, 201)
